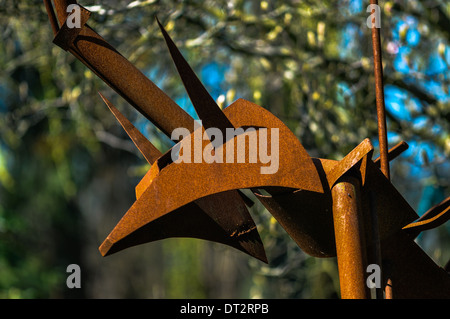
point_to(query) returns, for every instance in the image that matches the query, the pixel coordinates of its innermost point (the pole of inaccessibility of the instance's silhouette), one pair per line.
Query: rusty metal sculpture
(345, 208)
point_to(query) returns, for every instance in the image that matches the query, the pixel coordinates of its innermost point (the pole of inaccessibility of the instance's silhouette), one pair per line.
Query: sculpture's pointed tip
(147, 149)
(161, 27)
(104, 98)
(259, 254)
(205, 106)
(107, 102)
(105, 247)
(189, 221)
(252, 248)
(112, 108)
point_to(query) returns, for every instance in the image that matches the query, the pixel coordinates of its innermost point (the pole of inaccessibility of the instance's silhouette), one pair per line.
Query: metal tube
(349, 234)
(381, 115)
(379, 93)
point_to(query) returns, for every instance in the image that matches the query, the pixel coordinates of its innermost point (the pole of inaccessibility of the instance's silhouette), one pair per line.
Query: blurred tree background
(68, 171)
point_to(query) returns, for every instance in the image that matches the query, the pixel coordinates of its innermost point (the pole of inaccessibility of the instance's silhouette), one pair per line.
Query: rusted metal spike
(205, 106)
(147, 149)
(380, 103)
(436, 210)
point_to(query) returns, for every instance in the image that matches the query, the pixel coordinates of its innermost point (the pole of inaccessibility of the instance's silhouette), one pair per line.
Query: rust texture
(346, 208)
(379, 94)
(350, 241)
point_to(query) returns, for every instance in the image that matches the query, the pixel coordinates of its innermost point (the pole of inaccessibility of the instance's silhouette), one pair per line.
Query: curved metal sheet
(227, 224)
(169, 187)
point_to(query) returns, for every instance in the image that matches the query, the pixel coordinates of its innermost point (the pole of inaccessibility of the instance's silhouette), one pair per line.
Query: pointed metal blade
(147, 149)
(205, 106)
(146, 222)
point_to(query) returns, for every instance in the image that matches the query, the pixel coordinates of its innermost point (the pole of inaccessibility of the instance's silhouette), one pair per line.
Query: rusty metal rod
(381, 115)
(350, 243)
(379, 93)
(394, 152)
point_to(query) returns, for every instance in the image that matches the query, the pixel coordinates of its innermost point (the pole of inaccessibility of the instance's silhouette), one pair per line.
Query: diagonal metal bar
(393, 152)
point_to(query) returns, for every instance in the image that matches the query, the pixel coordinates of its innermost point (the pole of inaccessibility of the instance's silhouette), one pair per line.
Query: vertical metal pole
(349, 234)
(381, 115)
(379, 92)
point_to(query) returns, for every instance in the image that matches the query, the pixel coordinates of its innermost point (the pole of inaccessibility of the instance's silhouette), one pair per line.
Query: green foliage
(184, 268)
(67, 169)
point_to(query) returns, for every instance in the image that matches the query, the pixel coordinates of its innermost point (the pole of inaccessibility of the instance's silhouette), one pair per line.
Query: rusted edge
(365, 148)
(147, 149)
